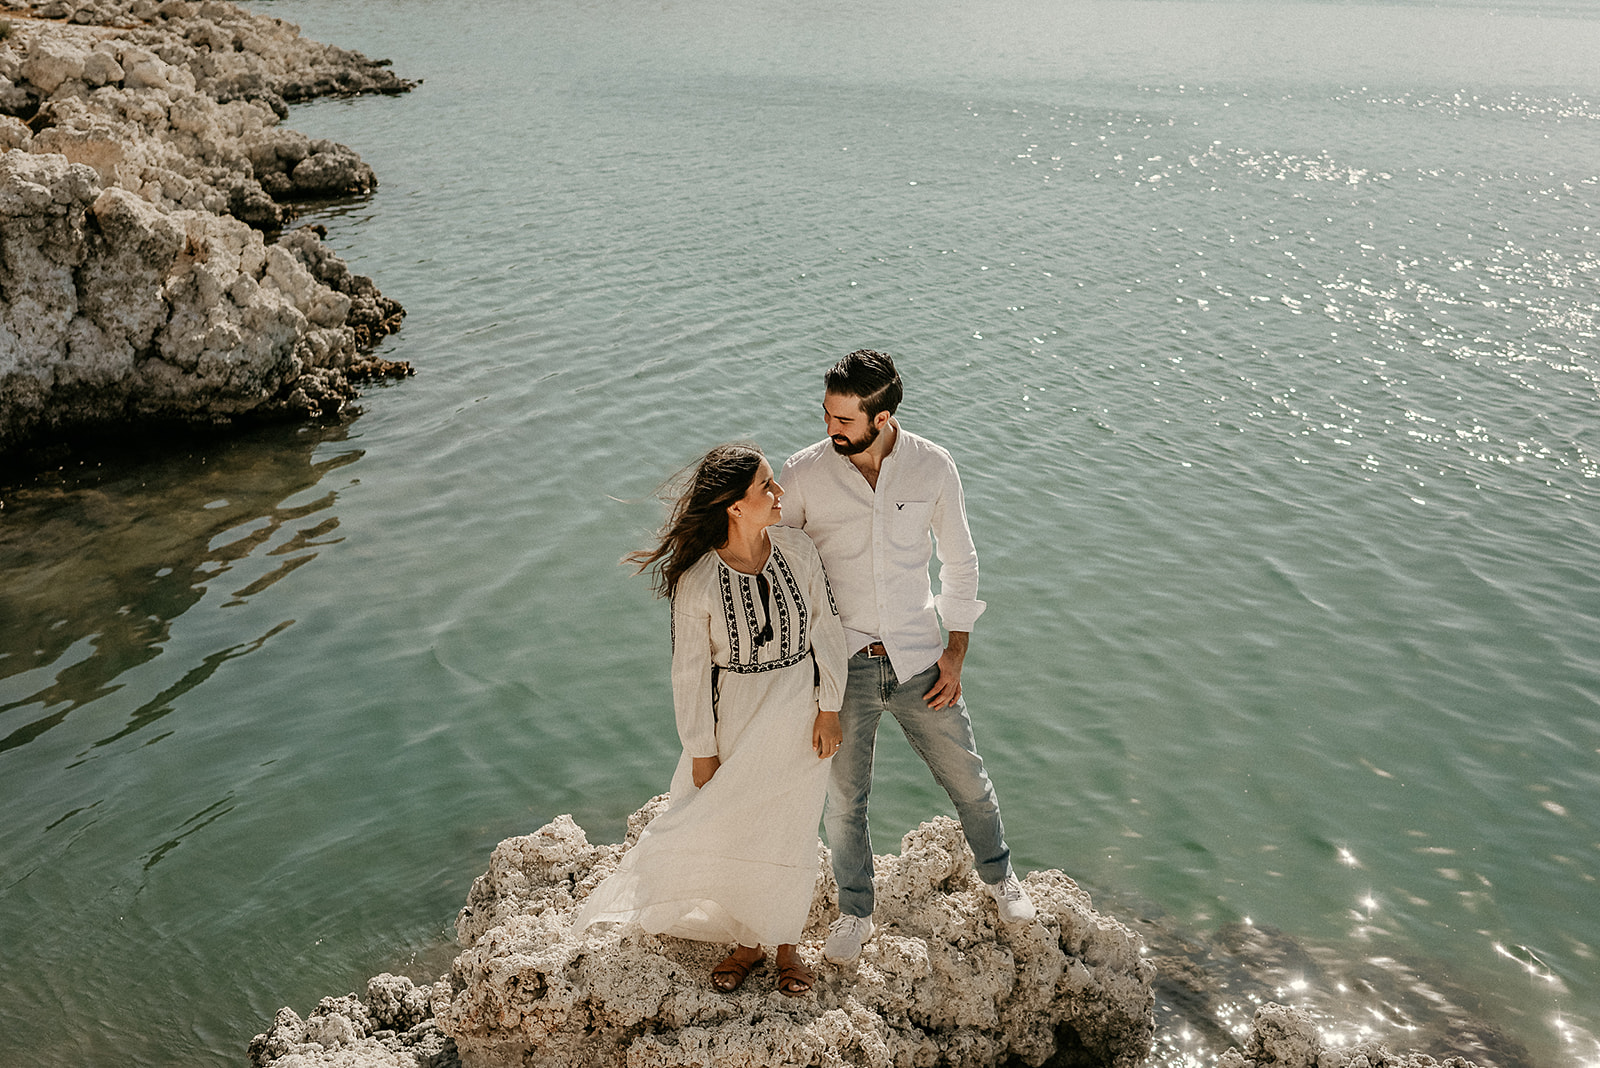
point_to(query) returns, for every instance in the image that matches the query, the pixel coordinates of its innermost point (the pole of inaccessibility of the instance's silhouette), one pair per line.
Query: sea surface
(1264, 334)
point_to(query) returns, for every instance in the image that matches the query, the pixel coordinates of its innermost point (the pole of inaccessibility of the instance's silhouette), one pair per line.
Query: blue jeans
(942, 738)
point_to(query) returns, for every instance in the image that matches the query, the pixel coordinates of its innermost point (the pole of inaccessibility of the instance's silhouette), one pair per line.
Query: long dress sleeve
(827, 637)
(691, 673)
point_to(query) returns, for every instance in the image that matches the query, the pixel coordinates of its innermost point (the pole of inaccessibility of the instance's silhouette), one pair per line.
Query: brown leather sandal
(794, 979)
(731, 972)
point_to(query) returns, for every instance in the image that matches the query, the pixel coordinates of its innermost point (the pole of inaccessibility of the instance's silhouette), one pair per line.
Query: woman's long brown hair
(698, 522)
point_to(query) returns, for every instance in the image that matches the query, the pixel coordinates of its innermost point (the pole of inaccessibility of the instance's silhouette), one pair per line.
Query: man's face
(848, 426)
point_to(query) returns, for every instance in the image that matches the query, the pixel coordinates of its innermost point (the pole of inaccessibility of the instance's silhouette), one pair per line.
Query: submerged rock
(1209, 985)
(144, 184)
(1287, 1038)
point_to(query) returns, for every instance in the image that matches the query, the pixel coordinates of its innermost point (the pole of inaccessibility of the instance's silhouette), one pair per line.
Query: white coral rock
(943, 983)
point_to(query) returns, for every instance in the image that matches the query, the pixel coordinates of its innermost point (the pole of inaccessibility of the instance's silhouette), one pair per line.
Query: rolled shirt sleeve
(957, 601)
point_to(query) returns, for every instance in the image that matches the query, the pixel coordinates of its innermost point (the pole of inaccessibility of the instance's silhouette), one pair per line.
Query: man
(870, 495)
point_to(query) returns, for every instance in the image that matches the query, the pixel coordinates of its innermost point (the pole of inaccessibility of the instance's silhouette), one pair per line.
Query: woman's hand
(826, 734)
(704, 768)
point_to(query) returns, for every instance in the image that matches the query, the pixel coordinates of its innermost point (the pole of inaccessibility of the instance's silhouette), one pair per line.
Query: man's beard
(854, 448)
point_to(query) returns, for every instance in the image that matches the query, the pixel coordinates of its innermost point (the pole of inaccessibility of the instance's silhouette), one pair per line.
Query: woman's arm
(832, 658)
(691, 681)
(827, 635)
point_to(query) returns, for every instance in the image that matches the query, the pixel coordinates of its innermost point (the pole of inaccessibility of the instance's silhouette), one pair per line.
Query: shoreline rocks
(943, 982)
(145, 183)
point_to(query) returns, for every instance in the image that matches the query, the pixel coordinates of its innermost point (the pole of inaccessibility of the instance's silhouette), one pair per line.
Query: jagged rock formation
(942, 983)
(144, 182)
(393, 1028)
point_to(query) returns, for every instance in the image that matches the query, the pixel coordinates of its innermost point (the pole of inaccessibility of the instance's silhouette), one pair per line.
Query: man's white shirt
(876, 545)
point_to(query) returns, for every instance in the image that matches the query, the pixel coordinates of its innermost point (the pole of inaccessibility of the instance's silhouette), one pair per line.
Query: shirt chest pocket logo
(908, 524)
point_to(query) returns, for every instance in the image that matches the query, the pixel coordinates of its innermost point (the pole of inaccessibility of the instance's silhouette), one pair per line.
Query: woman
(758, 671)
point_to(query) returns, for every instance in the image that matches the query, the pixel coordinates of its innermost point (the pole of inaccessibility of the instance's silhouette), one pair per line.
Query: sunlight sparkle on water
(1535, 967)
(1577, 1037)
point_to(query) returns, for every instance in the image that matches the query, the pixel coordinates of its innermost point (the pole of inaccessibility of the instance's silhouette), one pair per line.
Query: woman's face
(759, 504)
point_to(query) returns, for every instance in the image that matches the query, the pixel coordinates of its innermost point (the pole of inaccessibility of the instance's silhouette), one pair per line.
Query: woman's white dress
(736, 861)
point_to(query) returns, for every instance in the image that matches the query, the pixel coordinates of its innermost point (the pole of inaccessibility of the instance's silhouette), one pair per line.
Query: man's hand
(947, 690)
(826, 734)
(704, 768)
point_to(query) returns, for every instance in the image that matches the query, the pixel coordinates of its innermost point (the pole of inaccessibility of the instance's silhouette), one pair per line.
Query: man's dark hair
(868, 376)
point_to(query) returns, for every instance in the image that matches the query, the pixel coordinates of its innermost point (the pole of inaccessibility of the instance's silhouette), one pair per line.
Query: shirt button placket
(880, 520)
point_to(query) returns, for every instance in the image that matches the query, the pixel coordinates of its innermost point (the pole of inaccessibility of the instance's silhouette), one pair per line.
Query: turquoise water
(1265, 335)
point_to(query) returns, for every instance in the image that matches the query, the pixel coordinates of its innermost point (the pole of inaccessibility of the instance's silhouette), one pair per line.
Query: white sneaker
(1011, 899)
(845, 937)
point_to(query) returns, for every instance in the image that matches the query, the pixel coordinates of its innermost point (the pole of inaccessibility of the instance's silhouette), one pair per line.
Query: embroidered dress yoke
(753, 658)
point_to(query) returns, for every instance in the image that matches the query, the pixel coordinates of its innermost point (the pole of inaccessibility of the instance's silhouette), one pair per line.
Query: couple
(779, 681)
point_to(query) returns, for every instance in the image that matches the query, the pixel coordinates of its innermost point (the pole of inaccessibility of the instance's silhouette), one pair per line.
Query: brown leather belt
(875, 649)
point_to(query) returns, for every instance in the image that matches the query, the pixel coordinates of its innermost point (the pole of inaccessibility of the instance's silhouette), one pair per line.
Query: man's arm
(957, 600)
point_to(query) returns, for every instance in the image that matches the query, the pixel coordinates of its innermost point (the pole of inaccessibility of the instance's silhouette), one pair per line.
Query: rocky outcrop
(144, 185)
(943, 982)
(392, 1028)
